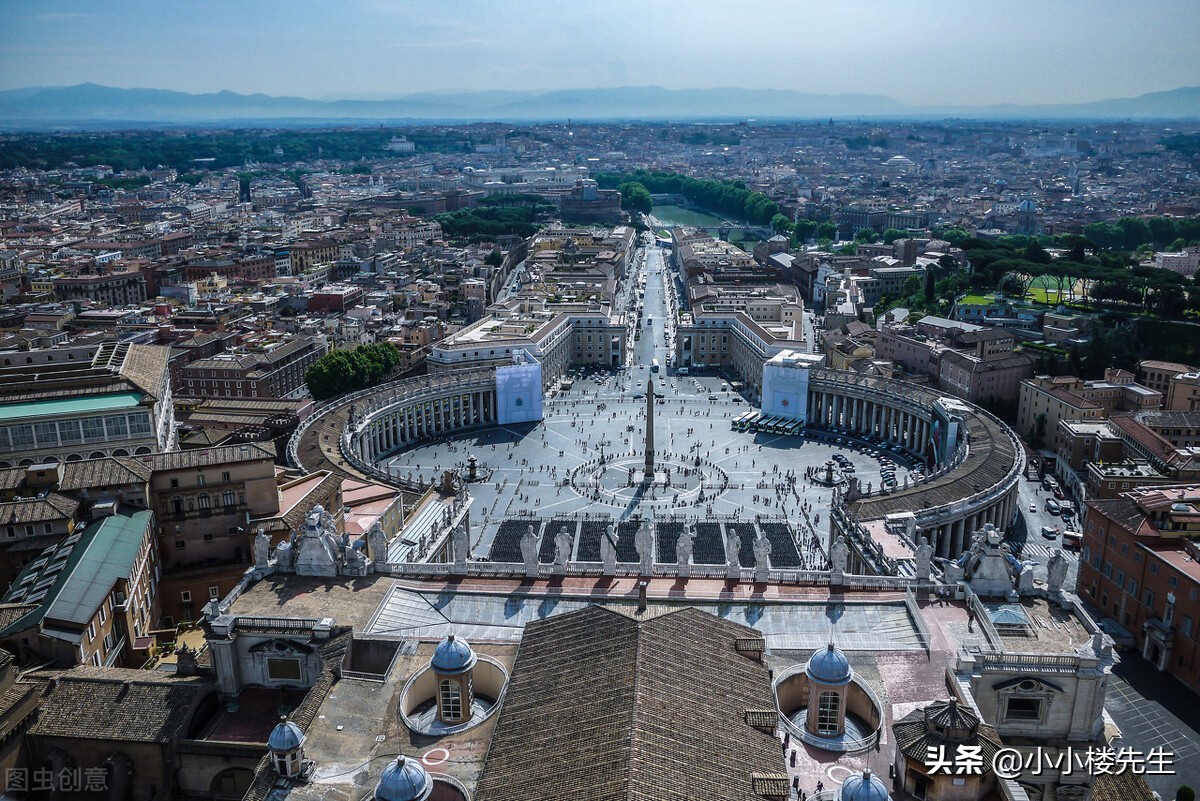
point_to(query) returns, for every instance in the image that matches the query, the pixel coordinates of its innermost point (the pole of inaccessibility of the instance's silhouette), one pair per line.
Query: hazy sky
(917, 51)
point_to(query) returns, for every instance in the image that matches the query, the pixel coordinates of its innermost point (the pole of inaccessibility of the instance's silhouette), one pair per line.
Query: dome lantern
(829, 675)
(286, 745)
(404, 780)
(864, 788)
(452, 663)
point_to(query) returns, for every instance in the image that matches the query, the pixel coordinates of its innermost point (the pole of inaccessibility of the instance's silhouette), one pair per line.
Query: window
(12, 531)
(174, 483)
(180, 545)
(1154, 568)
(103, 616)
(828, 713)
(1133, 587)
(1150, 598)
(91, 631)
(1121, 578)
(116, 426)
(200, 480)
(185, 597)
(225, 477)
(1023, 709)
(202, 500)
(450, 699)
(1185, 626)
(228, 498)
(214, 593)
(283, 669)
(93, 429)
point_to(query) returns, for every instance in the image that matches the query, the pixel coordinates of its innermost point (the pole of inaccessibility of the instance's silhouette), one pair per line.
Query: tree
(955, 236)
(635, 197)
(912, 285)
(803, 230)
(826, 230)
(345, 371)
(892, 234)
(930, 285)
(1185, 793)
(866, 235)
(494, 259)
(780, 224)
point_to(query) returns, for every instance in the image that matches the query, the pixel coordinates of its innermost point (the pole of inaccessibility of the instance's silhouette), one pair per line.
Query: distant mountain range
(91, 104)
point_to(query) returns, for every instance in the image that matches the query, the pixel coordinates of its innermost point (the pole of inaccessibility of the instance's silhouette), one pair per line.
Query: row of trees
(728, 197)
(489, 222)
(345, 371)
(1106, 278)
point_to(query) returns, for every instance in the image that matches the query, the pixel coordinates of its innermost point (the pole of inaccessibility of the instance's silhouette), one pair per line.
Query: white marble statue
(839, 554)
(924, 559)
(1056, 571)
(608, 549)
(377, 543)
(262, 549)
(529, 551)
(762, 558)
(562, 548)
(733, 546)
(683, 546)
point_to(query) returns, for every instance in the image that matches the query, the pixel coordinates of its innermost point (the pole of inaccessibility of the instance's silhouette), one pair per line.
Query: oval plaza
(771, 580)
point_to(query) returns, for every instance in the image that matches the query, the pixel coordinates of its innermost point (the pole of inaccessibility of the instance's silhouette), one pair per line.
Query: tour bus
(654, 366)
(739, 422)
(751, 422)
(794, 428)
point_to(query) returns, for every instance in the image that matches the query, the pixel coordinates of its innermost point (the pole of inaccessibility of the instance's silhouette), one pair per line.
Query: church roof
(604, 694)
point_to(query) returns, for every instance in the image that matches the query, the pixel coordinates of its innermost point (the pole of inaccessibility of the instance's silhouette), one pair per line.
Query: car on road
(1050, 532)
(1052, 506)
(639, 396)
(1033, 506)
(712, 397)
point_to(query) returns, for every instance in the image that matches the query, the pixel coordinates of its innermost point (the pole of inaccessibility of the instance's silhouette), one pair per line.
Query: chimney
(642, 596)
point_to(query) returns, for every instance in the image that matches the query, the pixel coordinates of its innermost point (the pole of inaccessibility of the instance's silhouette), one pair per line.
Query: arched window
(177, 504)
(202, 500)
(828, 713)
(451, 700)
(228, 498)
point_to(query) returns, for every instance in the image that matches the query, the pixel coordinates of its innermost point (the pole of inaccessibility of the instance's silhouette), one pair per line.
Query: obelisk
(650, 430)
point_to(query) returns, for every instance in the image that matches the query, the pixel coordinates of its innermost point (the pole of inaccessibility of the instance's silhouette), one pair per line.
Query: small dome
(864, 788)
(453, 656)
(1027, 206)
(829, 666)
(404, 780)
(285, 737)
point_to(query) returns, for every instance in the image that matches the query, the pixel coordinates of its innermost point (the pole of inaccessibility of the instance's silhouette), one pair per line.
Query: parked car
(1052, 506)
(1033, 506)
(1050, 532)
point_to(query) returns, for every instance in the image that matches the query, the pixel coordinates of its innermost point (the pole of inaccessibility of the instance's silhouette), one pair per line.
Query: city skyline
(1001, 53)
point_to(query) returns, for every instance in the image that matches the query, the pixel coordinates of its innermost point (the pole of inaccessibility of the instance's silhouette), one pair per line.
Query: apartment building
(1045, 400)
(1140, 564)
(1158, 375)
(272, 370)
(90, 599)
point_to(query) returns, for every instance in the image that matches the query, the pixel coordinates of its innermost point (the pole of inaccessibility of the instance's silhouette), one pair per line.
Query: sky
(922, 52)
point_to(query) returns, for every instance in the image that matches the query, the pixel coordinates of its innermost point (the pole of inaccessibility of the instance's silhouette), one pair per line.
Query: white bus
(654, 366)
